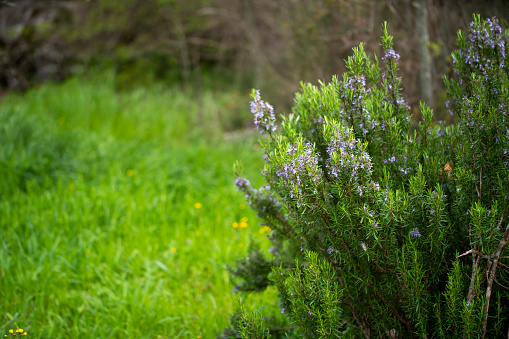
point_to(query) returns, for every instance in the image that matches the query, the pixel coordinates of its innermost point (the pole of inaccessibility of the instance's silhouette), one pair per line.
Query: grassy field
(116, 211)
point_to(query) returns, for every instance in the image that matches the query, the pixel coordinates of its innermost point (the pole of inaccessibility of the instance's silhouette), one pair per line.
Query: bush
(400, 232)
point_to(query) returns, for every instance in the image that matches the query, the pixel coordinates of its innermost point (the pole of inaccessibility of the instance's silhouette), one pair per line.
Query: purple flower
(363, 246)
(415, 233)
(390, 55)
(330, 250)
(359, 190)
(264, 117)
(347, 157)
(432, 211)
(283, 310)
(300, 168)
(242, 184)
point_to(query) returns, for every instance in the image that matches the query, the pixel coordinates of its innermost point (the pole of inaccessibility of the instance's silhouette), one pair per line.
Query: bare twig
(492, 270)
(473, 250)
(475, 261)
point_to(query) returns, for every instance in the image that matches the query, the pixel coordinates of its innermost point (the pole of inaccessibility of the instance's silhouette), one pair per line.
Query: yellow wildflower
(235, 225)
(198, 205)
(174, 250)
(243, 224)
(242, 206)
(129, 172)
(264, 229)
(11, 331)
(245, 219)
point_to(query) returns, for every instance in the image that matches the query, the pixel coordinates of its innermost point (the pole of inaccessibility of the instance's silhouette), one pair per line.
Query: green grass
(100, 237)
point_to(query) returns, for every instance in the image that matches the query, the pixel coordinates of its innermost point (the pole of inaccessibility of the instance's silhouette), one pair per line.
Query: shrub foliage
(399, 231)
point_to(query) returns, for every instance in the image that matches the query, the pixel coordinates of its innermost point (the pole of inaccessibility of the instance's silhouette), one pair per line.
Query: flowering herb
(348, 170)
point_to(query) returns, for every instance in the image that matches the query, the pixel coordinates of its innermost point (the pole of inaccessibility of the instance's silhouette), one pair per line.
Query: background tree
(421, 23)
(265, 44)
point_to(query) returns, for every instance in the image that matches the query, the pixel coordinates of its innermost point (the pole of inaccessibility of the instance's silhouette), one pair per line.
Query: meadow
(118, 213)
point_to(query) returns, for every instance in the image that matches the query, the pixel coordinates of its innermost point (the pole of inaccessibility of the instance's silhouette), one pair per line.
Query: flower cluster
(300, 172)
(353, 90)
(348, 160)
(260, 200)
(241, 224)
(483, 39)
(390, 54)
(18, 332)
(264, 117)
(243, 185)
(483, 53)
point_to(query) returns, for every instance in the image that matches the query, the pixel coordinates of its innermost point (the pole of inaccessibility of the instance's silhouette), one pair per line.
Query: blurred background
(239, 44)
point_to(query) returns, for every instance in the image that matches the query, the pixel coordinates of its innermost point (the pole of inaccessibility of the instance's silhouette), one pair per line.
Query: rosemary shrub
(380, 228)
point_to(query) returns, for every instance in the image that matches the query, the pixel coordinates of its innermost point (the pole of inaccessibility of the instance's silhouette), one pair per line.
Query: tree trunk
(425, 84)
